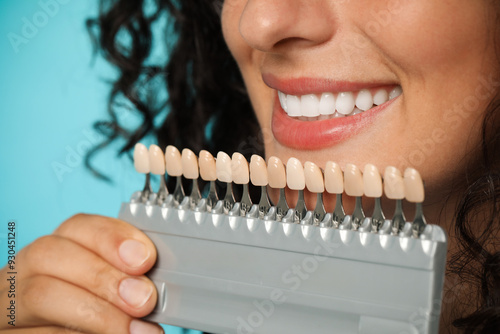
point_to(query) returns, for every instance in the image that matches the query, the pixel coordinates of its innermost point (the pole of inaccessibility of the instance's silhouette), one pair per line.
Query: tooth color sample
(353, 181)
(276, 173)
(173, 161)
(414, 186)
(189, 164)
(258, 171)
(208, 170)
(223, 167)
(314, 178)
(372, 181)
(394, 187)
(156, 160)
(334, 179)
(295, 174)
(239, 169)
(141, 158)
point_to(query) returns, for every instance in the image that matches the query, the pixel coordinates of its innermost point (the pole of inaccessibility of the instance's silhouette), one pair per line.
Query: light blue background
(51, 92)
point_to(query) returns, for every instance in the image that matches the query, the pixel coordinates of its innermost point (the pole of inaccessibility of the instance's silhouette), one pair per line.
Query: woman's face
(419, 72)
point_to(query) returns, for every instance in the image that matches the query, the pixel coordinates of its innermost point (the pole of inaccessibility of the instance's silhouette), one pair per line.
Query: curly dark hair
(200, 89)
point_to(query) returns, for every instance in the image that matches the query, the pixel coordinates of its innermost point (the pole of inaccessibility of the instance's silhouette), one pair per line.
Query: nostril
(271, 24)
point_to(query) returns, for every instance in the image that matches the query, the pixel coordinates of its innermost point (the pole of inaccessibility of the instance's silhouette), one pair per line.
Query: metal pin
(419, 223)
(212, 197)
(178, 191)
(277, 180)
(338, 213)
(282, 206)
(147, 190)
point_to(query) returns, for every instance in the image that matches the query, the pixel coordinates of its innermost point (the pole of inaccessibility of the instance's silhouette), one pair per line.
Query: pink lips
(311, 135)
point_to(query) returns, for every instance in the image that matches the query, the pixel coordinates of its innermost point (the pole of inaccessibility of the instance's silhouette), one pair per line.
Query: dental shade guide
(224, 273)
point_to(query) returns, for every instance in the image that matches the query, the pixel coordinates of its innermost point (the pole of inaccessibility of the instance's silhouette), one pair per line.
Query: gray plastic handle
(229, 274)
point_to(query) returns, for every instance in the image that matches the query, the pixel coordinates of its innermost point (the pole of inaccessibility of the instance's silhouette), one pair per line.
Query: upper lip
(305, 85)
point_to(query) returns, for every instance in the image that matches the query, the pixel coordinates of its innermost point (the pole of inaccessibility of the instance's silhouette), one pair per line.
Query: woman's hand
(88, 276)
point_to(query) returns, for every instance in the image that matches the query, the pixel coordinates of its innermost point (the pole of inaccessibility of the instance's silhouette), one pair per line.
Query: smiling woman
(391, 83)
(385, 82)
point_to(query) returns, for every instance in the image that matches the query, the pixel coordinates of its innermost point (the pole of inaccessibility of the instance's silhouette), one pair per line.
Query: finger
(47, 301)
(136, 327)
(119, 243)
(136, 295)
(41, 330)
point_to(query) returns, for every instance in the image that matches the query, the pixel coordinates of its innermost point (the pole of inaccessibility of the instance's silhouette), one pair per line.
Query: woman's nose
(267, 24)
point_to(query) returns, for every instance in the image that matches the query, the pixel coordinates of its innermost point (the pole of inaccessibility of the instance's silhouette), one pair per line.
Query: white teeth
(380, 97)
(293, 106)
(309, 105)
(327, 104)
(312, 107)
(345, 103)
(282, 98)
(364, 100)
(395, 93)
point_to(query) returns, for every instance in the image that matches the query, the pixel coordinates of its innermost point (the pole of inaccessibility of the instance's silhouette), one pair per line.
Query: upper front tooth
(345, 103)
(282, 98)
(327, 104)
(293, 105)
(309, 105)
(364, 100)
(395, 93)
(380, 97)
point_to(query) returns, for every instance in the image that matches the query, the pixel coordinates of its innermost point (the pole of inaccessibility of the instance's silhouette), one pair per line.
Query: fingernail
(133, 252)
(135, 292)
(142, 327)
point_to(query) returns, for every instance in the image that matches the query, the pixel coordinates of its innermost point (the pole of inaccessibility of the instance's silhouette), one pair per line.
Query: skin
(441, 61)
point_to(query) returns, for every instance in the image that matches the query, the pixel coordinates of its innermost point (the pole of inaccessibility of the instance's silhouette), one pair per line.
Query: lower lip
(315, 135)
